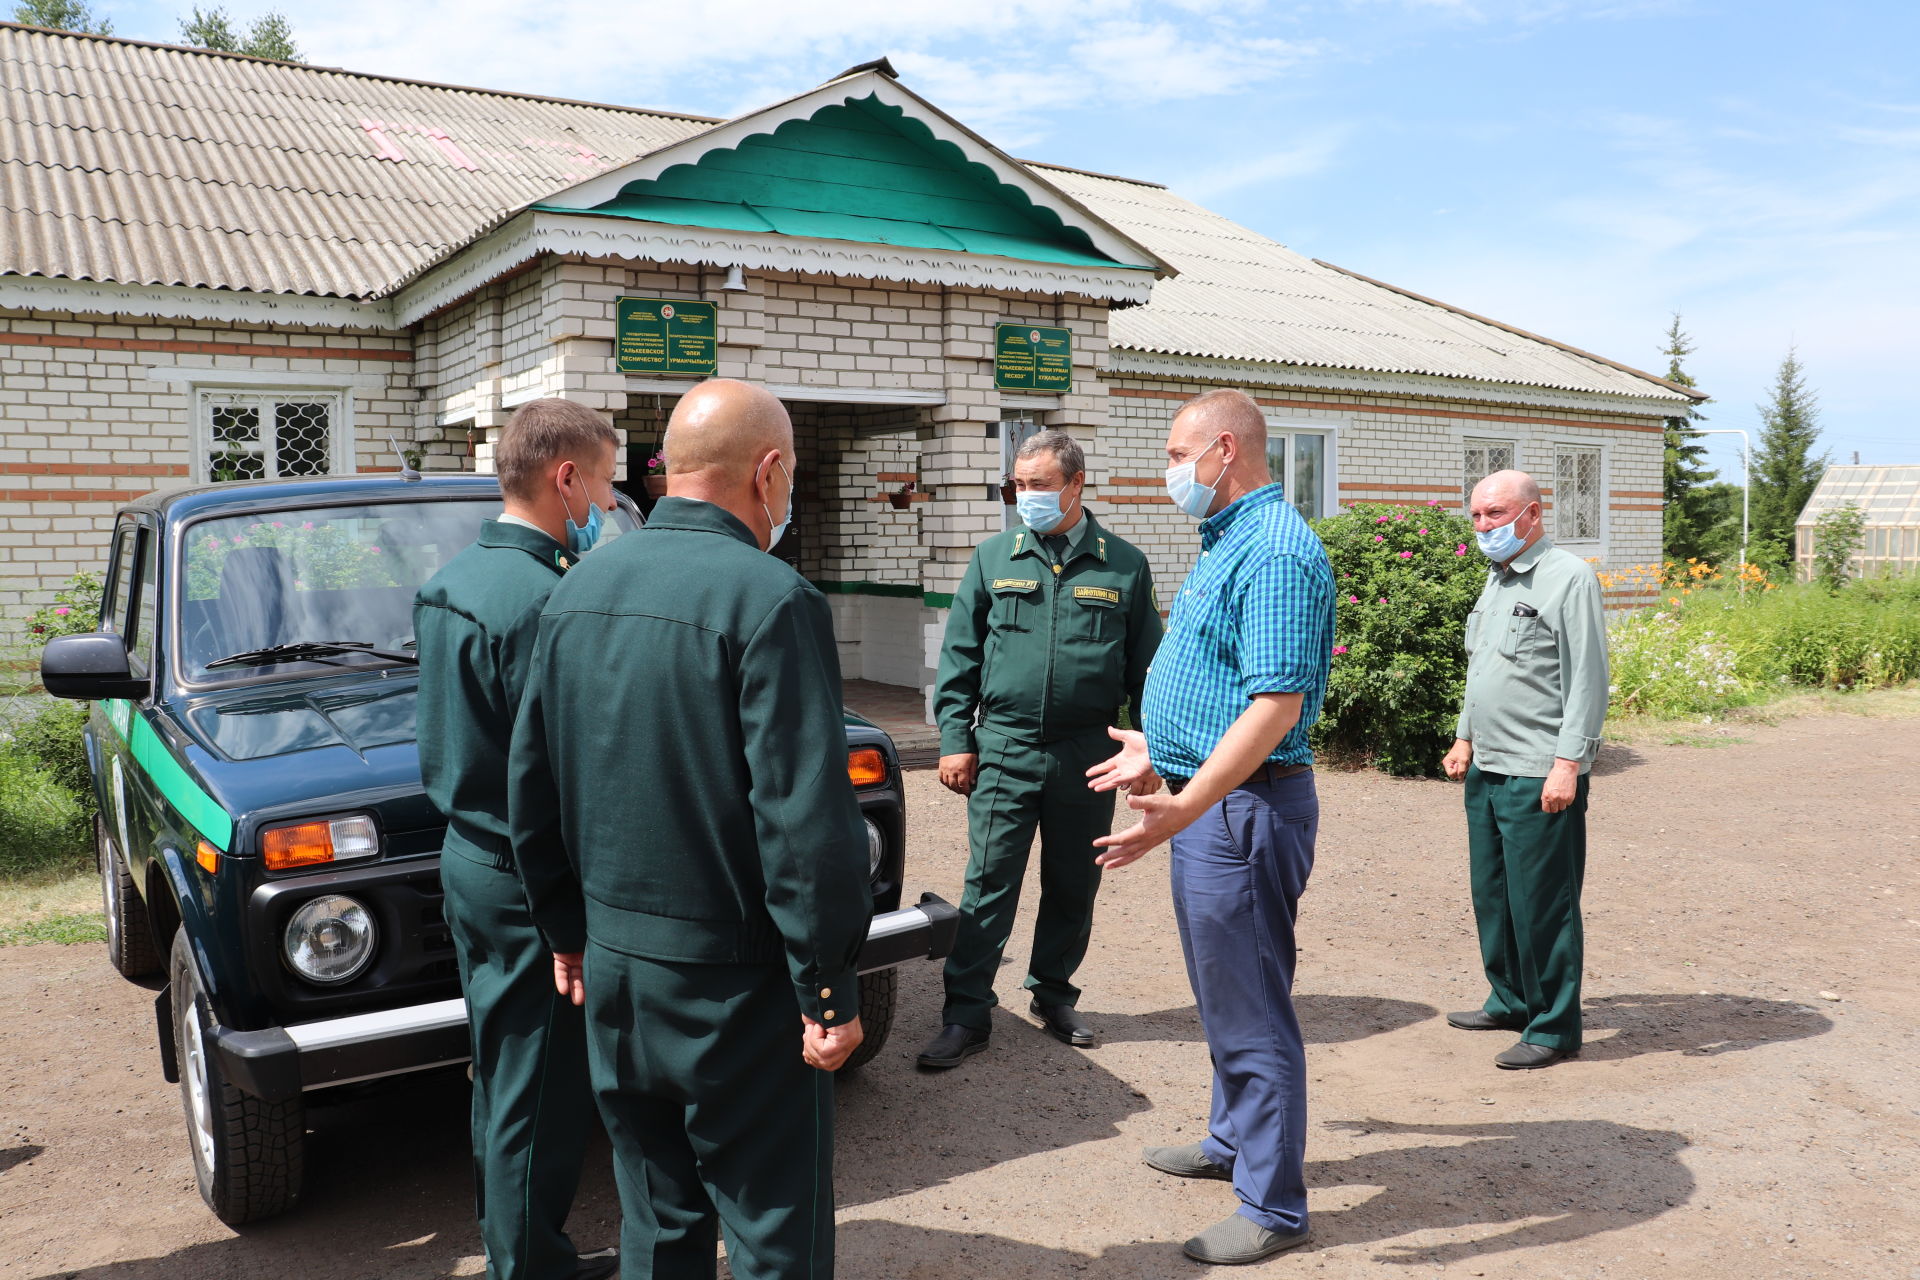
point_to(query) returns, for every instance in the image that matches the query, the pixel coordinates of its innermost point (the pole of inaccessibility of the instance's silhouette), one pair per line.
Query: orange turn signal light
(311, 844)
(207, 856)
(866, 767)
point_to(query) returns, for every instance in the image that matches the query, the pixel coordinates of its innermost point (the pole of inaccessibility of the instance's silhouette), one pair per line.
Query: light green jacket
(1536, 665)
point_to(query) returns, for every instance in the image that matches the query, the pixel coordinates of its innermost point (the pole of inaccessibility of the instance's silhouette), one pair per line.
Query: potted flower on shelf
(903, 496)
(657, 474)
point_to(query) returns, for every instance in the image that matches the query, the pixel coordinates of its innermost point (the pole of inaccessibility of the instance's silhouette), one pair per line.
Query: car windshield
(336, 584)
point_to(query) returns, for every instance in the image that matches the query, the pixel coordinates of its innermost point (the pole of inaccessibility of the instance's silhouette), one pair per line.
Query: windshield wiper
(307, 649)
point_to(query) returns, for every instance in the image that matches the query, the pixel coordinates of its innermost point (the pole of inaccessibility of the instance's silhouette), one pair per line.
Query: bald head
(1517, 487)
(724, 429)
(1207, 415)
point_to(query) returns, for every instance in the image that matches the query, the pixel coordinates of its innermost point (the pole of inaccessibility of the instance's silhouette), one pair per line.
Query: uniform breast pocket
(1096, 613)
(1013, 604)
(1522, 638)
(1474, 620)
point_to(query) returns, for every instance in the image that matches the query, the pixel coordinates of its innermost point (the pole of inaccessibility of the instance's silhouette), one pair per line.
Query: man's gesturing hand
(1562, 784)
(1161, 818)
(567, 975)
(1128, 768)
(826, 1048)
(1458, 759)
(959, 772)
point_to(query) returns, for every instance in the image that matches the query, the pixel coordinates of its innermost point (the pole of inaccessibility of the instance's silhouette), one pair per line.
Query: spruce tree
(1686, 523)
(1785, 466)
(270, 36)
(61, 15)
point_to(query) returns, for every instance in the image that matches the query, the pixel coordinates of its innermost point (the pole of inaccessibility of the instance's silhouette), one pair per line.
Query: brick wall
(86, 425)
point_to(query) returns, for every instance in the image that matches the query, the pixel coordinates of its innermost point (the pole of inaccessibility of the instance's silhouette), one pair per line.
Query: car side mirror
(90, 667)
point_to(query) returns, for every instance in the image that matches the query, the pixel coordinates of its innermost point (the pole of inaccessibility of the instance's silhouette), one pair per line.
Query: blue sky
(1580, 168)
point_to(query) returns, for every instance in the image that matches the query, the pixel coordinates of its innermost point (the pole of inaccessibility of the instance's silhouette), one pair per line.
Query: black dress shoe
(1481, 1020)
(952, 1046)
(1064, 1024)
(601, 1264)
(1527, 1057)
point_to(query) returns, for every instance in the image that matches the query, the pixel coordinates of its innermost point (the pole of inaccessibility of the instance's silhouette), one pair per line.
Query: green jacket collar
(1531, 556)
(696, 516)
(1093, 542)
(500, 533)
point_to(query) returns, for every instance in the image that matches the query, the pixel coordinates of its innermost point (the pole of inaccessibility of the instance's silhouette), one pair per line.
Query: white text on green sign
(1032, 358)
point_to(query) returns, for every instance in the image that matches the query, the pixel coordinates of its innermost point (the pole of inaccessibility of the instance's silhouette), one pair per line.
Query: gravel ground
(1728, 1119)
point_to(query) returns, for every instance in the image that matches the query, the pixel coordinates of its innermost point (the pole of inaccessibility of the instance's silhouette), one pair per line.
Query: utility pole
(1746, 487)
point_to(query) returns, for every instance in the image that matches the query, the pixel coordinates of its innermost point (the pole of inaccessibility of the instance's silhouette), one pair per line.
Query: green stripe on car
(206, 814)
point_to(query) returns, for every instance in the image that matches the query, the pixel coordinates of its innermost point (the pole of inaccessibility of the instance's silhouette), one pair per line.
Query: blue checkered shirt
(1255, 615)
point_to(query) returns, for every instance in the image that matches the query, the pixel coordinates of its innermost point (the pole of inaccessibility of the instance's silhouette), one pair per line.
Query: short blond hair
(541, 433)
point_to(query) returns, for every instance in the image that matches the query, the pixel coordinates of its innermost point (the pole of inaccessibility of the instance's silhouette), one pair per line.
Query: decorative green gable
(861, 170)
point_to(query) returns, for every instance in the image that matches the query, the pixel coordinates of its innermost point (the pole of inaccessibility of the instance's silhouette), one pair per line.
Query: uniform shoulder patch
(1016, 584)
(1097, 593)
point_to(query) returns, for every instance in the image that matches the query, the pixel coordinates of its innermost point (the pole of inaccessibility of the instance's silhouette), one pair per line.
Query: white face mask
(1189, 494)
(773, 538)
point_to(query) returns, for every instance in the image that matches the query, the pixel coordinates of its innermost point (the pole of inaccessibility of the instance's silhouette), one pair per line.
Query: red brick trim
(1636, 506)
(1635, 493)
(203, 348)
(1143, 393)
(895, 477)
(1136, 498)
(73, 495)
(92, 469)
(1365, 487)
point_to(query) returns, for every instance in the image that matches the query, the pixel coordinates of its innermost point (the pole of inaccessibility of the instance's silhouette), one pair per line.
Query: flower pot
(656, 486)
(900, 501)
(1007, 494)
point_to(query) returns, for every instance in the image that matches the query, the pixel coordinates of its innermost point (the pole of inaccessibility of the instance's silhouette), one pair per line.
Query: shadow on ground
(1700, 1025)
(1509, 1186)
(1324, 1019)
(1616, 757)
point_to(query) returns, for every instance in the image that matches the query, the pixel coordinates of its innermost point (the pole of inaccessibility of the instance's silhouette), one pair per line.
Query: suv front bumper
(280, 1062)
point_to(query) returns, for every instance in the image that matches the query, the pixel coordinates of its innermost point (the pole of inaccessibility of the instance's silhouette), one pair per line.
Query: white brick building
(213, 265)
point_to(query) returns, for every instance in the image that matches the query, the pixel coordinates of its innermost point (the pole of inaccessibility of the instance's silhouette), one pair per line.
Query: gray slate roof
(136, 163)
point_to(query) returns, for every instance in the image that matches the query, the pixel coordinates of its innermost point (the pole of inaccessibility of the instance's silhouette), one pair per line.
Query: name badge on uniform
(1016, 584)
(1097, 593)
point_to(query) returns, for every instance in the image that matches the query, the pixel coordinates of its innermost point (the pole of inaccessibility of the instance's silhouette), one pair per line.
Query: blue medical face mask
(582, 540)
(778, 530)
(1501, 543)
(1187, 493)
(1040, 509)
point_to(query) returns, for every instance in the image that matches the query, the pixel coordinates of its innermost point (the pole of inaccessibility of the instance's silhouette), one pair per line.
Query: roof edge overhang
(80, 296)
(1132, 362)
(863, 83)
(1692, 394)
(534, 234)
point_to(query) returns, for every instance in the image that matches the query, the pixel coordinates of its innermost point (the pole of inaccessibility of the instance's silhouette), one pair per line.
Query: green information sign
(667, 335)
(1030, 357)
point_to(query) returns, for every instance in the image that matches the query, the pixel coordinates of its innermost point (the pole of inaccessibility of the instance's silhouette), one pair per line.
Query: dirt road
(1726, 1121)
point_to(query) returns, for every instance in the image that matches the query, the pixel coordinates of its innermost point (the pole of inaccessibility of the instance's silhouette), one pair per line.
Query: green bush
(1406, 577)
(51, 736)
(42, 824)
(75, 609)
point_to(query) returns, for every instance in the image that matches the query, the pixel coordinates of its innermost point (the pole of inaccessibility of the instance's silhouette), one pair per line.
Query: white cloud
(1304, 157)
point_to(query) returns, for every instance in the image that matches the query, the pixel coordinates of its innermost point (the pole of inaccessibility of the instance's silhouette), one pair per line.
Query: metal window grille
(1576, 495)
(1481, 459)
(266, 436)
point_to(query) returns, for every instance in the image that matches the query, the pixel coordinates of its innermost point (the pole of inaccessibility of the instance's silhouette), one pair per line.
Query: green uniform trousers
(716, 1121)
(532, 1107)
(1023, 785)
(1527, 868)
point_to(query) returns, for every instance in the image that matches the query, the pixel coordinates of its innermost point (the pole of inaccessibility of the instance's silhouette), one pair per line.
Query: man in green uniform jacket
(680, 800)
(474, 624)
(1050, 633)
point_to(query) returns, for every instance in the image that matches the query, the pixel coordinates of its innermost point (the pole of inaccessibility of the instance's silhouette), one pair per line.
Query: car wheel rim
(199, 1099)
(110, 892)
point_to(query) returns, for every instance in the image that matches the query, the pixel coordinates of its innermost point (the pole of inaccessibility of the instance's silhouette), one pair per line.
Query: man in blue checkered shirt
(1235, 687)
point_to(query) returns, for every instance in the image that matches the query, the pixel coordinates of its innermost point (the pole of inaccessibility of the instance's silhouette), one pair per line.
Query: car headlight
(876, 848)
(330, 939)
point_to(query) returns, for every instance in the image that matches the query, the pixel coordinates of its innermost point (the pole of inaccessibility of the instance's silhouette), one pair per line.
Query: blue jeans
(1238, 873)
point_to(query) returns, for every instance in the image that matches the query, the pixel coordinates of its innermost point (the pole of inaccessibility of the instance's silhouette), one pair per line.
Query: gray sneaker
(1238, 1240)
(1185, 1162)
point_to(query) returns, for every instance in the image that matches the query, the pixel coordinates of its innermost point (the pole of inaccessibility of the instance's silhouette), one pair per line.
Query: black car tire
(130, 946)
(878, 990)
(247, 1153)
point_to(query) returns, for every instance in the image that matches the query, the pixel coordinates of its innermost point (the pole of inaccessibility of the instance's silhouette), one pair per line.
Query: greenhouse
(1888, 497)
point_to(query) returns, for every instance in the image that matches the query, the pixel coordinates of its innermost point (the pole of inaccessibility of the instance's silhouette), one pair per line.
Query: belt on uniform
(1265, 773)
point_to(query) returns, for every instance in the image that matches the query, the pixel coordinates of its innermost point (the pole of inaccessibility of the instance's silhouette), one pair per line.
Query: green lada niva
(264, 843)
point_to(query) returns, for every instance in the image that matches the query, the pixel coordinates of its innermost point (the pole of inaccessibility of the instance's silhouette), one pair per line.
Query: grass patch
(51, 906)
(1727, 727)
(62, 930)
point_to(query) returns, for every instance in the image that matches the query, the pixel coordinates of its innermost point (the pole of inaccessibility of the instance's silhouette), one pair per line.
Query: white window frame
(194, 380)
(1602, 516)
(339, 402)
(1288, 428)
(1512, 447)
